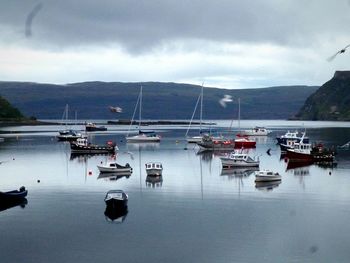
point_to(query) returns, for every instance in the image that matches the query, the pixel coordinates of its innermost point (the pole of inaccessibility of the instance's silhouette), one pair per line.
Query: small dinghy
(154, 169)
(116, 198)
(14, 195)
(113, 167)
(267, 176)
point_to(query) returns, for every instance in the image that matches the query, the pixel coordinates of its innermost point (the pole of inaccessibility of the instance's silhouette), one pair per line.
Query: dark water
(195, 214)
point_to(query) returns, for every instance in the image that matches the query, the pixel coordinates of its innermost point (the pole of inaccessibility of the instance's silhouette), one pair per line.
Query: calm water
(195, 214)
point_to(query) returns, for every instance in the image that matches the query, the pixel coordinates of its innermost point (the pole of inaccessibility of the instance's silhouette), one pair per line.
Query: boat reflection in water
(149, 146)
(113, 176)
(239, 172)
(154, 181)
(83, 157)
(116, 206)
(267, 186)
(299, 168)
(116, 214)
(4, 205)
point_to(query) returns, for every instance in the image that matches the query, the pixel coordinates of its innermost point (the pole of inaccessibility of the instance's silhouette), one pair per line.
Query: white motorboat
(256, 131)
(238, 159)
(113, 167)
(154, 169)
(267, 176)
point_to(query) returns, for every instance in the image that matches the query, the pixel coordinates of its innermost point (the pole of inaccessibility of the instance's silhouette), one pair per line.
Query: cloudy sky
(223, 43)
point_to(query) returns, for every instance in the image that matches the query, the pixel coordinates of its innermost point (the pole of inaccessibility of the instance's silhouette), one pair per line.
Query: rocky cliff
(330, 102)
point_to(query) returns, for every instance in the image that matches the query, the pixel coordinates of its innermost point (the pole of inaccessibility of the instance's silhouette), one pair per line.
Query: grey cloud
(141, 25)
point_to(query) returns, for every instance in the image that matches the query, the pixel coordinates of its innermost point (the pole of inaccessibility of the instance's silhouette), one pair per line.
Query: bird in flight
(115, 109)
(225, 99)
(339, 52)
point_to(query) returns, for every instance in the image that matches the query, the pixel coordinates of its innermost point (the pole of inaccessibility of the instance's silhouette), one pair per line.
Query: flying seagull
(30, 17)
(339, 52)
(225, 99)
(115, 109)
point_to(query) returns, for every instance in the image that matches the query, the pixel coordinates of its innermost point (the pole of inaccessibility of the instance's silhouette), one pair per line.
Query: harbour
(195, 212)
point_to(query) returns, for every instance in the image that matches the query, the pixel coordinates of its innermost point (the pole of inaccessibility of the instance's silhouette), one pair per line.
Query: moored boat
(144, 136)
(154, 169)
(308, 153)
(116, 198)
(113, 167)
(244, 142)
(83, 146)
(256, 131)
(208, 143)
(70, 135)
(238, 159)
(90, 127)
(291, 136)
(14, 195)
(267, 176)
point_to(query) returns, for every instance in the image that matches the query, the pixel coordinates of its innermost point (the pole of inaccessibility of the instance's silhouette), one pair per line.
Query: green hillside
(7, 112)
(330, 102)
(161, 100)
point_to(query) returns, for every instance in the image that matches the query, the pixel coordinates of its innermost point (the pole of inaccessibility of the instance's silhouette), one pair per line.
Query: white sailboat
(198, 138)
(142, 136)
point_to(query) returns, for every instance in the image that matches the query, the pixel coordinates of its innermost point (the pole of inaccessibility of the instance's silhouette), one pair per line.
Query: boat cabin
(154, 166)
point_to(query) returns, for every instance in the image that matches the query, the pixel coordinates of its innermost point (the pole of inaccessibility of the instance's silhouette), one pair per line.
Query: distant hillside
(7, 112)
(160, 100)
(330, 102)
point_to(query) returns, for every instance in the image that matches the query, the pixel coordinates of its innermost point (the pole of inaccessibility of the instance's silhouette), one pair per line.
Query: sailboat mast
(140, 108)
(201, 113)
(239, 115)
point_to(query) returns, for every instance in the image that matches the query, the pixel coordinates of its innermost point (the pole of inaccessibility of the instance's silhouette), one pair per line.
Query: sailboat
(68, 134)
(142, 136)
(242, 141)
(198, 138)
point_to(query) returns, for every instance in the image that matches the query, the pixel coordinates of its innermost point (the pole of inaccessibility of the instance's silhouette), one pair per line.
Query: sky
(223, 43)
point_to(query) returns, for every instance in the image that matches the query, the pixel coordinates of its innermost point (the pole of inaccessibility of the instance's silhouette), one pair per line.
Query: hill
(160, 100)
(7, 112)
(330, 102)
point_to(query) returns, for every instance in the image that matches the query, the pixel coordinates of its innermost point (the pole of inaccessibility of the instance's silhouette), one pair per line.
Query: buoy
(90, 172)
(330, 173)
(38, 181)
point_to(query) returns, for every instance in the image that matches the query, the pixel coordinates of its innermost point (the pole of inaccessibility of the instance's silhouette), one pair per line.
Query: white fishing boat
(267, 176)
(113, 167)
(238, 159)
(256, 131)
(142, 136)
(154, 169)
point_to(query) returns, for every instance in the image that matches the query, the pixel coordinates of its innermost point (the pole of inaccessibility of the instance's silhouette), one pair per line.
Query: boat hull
(75, 148)
(228, 163)
(124, 170)
(217, 145)
(92, 129)
(259, 178)
(138, 138)
(154, 172)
